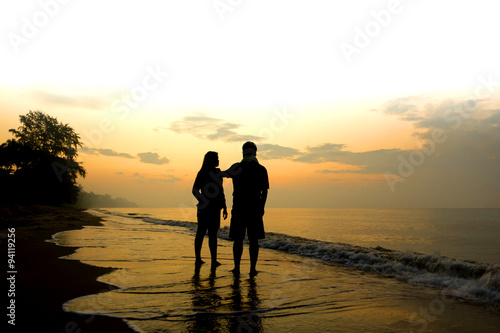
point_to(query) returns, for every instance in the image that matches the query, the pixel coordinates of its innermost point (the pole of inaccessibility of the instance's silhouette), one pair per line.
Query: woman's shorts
(208, 220)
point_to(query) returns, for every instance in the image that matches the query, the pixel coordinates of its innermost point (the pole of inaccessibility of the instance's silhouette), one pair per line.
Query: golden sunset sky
(351, 103)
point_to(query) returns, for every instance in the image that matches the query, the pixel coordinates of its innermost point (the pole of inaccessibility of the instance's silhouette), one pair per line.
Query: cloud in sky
(369, 162)
(271, 151)
(428, 113)
(493, 119)
(95, 102)
(105, 152)
(152, 158)
(463, 161)
(205, 127)
(459, 168)
(469, 141)
(168, 179)
(325, 171)
(147, 157)
(405, 107)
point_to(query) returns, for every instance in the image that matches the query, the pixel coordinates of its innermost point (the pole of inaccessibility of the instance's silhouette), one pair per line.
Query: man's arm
(233, 171)
(265, 189)
(263, 198)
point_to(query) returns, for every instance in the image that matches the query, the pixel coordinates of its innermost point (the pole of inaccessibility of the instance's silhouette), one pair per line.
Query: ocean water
(468, 234)
(337, 270)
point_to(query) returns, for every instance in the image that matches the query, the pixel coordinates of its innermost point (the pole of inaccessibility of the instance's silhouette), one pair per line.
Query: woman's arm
(196, 192)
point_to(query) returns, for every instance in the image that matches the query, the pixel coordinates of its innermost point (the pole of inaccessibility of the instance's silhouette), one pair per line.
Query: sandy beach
(44, 282)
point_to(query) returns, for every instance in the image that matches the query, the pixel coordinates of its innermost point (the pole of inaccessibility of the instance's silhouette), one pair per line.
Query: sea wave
(472, 281)
(464, 279)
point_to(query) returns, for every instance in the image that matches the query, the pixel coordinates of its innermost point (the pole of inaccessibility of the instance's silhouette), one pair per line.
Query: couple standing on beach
(250, 187)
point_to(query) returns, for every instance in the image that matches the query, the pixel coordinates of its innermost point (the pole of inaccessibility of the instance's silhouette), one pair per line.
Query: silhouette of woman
(207, 188)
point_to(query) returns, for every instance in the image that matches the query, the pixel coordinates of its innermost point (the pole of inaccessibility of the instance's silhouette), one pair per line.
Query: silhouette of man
(250, 187)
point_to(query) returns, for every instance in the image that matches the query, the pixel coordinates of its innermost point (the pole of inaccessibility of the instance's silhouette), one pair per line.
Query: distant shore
(41, 282)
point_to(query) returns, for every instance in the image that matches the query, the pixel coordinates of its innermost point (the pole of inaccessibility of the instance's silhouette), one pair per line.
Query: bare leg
(212, 244)
(237, 253)
(254, 256)
(198, 242)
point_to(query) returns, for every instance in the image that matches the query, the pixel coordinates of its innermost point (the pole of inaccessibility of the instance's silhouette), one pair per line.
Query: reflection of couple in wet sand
(216, 310)
(250, 187)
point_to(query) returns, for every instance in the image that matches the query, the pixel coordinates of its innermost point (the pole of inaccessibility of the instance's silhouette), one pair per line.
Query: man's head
(249, 149)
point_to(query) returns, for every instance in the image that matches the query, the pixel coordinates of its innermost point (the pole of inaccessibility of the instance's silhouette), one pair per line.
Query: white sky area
(261, 52)
(334, 64)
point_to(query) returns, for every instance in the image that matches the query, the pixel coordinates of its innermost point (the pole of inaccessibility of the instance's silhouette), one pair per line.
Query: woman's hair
(210, 160)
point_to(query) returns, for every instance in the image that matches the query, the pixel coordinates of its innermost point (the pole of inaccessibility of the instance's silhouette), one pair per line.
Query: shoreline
(43, 282)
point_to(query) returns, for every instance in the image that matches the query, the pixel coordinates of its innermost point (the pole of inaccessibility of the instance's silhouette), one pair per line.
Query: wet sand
(43, 281)
(162, 291)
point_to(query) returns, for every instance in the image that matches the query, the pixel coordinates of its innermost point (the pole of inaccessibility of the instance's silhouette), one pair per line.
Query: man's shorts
(246, 222)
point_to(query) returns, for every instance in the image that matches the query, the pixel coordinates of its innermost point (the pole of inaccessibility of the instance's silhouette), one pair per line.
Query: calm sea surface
(468, 234)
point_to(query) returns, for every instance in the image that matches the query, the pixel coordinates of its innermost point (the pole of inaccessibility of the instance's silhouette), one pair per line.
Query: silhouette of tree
(39, 164)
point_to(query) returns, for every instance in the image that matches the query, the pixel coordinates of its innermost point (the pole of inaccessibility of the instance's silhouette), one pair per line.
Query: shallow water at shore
(160, 289)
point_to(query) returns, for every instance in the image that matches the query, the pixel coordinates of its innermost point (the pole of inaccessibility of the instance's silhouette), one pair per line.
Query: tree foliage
(39, 164)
